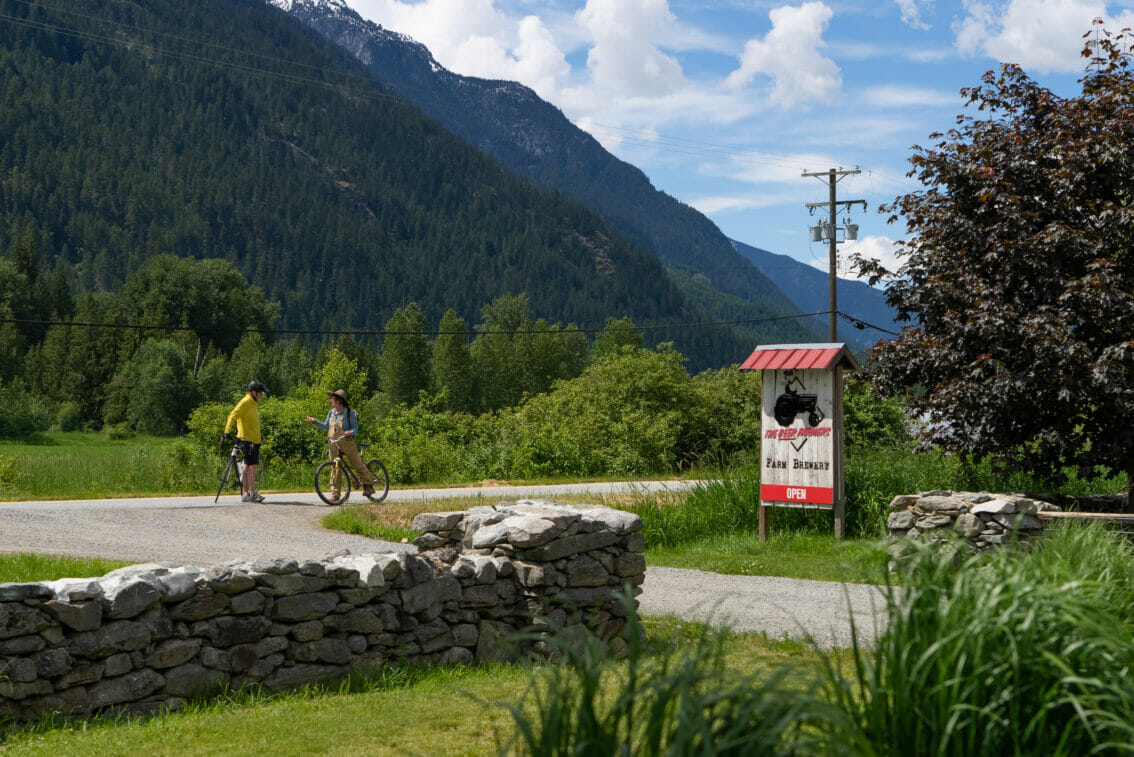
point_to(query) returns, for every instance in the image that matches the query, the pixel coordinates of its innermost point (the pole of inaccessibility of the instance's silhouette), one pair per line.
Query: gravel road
(197, 531)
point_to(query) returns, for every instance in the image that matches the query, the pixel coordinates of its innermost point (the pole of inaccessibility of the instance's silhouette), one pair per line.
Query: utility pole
(829, 231)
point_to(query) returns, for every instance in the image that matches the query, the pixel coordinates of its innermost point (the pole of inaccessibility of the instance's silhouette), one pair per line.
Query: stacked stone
(150, 636)
(570, 563)
(981, 519)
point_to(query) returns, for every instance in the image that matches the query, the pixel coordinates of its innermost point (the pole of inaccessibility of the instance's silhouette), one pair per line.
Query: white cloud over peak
(1040, 35)
(789, 55)
(473, 38)
(624, 56)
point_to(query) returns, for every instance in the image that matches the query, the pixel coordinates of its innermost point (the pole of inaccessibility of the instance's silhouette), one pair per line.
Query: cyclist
(341, 427)
(246, 417)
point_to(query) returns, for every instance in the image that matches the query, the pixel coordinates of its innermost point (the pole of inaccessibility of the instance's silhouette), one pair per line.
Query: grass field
(80, 466)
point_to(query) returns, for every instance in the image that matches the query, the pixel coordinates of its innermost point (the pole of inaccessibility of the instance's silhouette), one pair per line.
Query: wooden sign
(797, 449)
(801, 446)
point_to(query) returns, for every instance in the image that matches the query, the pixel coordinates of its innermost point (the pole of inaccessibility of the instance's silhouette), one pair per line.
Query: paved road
(195, 530)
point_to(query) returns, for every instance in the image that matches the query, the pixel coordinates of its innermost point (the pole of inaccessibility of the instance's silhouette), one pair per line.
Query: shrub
(69, 417)
(118, 431)
(21, 413)
(287, 439)
(632, 412)
(423, 443)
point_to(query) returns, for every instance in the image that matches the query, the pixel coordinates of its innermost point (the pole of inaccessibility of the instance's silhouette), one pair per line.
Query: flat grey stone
(20, 620)
(432, 522)
(19, 592)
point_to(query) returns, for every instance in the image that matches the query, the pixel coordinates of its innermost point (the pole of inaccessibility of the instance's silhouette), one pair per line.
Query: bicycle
(232, 473)
(340, 471)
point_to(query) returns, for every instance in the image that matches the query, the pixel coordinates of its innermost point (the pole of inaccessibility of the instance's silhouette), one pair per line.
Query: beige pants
(350, 452)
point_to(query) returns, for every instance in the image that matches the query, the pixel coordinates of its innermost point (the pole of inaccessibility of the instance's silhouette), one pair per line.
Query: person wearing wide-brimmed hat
(341, 427)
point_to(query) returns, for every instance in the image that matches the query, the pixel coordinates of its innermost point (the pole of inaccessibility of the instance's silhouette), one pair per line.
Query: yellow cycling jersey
(247, 419)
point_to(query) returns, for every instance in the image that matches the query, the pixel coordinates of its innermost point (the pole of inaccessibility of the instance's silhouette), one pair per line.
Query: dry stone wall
(150, 636)
(980, 519)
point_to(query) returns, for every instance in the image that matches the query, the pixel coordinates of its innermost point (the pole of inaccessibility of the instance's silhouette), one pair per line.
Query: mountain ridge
(126, 138)
(533, 138)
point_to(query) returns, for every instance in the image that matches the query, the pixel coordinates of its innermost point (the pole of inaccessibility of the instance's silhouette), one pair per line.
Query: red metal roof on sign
(800, 357)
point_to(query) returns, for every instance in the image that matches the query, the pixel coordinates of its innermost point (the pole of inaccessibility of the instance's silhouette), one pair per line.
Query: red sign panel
(816, 495)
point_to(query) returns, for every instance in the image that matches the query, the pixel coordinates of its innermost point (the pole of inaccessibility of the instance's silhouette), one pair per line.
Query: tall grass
(874, 476)
(678, 699)
(1010, 654)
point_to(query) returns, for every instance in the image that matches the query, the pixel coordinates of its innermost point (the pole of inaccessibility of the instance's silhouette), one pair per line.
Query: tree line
(183, 332)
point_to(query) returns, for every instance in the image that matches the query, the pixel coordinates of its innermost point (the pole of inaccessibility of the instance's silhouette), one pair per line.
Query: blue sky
(724, 103)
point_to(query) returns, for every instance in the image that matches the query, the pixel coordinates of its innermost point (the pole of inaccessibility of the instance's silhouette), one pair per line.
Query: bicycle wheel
(326, 476)
(381, 480)
(226, 475)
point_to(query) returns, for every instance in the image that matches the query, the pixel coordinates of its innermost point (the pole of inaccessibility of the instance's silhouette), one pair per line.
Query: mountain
(534, 139)
(809, 288)
(226, 128)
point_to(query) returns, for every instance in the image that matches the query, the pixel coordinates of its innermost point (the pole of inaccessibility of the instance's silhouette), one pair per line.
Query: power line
(383, 332)
(858, 323)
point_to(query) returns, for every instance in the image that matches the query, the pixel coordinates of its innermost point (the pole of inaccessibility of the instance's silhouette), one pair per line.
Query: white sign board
(799, 453)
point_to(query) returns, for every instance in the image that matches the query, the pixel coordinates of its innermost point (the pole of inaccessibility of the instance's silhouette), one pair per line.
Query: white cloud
(911, 13)
(879, 248)
(1044, 36)
(789, 55)
(723, 204)
(891, 96)
(624, 57)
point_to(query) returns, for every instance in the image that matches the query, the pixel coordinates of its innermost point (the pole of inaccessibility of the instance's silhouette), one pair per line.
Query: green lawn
(789, 555)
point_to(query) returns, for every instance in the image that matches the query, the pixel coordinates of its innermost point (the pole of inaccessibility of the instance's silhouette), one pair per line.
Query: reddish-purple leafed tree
(1018, 274)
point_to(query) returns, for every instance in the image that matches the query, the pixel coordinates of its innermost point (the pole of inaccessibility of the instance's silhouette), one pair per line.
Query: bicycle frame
(235, 463)
(329, 490)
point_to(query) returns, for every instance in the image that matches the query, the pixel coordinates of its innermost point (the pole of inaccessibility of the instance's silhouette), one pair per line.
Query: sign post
(801, 450)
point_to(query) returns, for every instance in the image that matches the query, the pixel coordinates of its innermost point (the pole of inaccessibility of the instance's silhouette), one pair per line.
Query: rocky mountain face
(534, 139)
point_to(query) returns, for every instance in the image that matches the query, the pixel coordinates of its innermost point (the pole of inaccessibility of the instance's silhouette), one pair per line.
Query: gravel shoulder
(194, 530)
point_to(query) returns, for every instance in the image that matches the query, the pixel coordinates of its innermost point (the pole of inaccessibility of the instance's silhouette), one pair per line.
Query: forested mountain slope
(534, 139)
(225, 128)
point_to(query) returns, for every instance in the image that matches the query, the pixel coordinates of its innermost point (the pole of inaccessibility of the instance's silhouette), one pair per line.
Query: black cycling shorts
(251, 451)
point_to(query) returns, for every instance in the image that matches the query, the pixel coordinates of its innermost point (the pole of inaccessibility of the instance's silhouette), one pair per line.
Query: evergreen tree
(618, 333)
(496, 360)
(62, 303)
(154, 392)
(452, 364)
(405, 356)
(295, 365)
(255, 360)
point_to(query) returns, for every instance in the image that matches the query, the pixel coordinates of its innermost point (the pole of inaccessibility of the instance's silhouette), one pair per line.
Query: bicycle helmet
(257, 386)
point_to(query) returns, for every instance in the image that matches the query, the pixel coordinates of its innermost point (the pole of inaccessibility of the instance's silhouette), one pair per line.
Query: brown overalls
(350, 452)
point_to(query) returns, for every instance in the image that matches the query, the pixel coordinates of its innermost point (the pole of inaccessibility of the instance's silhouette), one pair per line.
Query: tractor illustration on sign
(791, 403)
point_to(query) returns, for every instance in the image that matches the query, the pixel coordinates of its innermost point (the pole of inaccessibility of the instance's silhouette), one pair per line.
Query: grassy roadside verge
(26, 567)
(56, 465)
